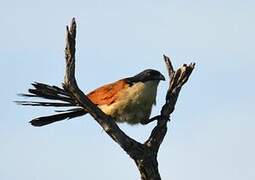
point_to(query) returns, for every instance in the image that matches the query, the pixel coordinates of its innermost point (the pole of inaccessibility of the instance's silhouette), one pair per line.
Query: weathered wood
(144, 154)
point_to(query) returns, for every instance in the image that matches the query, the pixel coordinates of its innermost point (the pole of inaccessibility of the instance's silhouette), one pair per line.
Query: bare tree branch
(106, 122)
(144, 154)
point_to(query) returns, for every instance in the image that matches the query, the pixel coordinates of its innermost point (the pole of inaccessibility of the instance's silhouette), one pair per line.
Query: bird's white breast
(135, 103)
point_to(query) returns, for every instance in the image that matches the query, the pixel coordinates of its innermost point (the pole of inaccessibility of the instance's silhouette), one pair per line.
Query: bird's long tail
(58, 98)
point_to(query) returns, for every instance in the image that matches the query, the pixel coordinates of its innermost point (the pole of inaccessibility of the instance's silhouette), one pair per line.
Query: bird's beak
(161, 77)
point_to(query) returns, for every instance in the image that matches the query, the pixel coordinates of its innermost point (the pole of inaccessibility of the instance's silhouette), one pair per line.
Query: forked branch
(144, 154)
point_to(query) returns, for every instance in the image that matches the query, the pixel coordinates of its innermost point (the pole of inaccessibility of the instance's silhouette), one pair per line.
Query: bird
(127, 100)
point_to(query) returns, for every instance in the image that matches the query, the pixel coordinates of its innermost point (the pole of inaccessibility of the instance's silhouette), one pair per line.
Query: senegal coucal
(127, 100)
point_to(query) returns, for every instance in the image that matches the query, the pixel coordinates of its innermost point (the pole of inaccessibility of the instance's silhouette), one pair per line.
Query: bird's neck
(145, 90)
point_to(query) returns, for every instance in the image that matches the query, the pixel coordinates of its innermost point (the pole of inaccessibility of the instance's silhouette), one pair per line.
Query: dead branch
(144, 154)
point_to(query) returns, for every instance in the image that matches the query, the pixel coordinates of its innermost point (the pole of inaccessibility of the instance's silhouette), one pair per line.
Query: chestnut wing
(108, 93)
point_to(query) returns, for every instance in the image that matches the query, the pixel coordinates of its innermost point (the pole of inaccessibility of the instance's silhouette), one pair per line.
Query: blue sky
(211, 135)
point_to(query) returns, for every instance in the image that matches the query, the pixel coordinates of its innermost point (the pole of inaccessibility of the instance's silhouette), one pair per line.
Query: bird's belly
(131, 113)
(134, 108)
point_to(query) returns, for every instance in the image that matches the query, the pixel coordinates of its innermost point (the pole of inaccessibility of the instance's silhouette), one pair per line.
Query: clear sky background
(211, 135)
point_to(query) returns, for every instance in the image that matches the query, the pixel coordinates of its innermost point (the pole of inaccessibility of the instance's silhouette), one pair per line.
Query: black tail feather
(68, 110)
(50, 92)
(40, 103)
(45, 120)
(58, 98)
